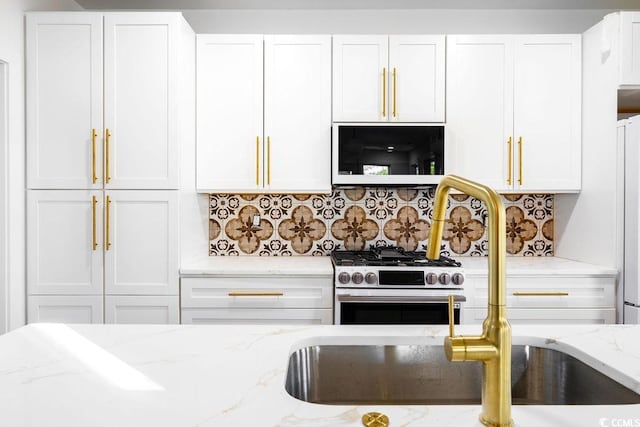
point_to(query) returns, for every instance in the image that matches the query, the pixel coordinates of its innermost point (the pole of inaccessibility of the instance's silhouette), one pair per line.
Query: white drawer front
(549, 316)
(564, 292)
(64, 309)
(257, 292)
(238, 316)
(158, 310)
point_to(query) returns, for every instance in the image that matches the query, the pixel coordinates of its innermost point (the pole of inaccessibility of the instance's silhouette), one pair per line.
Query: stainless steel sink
(420, 374)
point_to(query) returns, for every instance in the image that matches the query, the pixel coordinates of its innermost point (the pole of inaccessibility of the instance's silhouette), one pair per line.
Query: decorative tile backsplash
(355, 219)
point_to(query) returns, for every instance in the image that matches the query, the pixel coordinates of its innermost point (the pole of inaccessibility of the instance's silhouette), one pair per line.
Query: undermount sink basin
(421, 374)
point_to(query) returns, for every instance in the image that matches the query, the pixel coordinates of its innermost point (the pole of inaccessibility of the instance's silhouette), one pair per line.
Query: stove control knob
(370, 278)
(343, 278)
(356, 278)
(457, 279)
(432, 278)
(444, 279)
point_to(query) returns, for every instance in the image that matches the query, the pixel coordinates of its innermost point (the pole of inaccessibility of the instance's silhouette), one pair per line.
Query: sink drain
(375, 419)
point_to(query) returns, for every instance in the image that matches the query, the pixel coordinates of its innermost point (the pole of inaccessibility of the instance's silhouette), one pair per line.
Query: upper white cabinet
(388, 78)
(291, 150)
(83, 67)
(64, 100)
(229, 112)
(630, 48)
(514, 110)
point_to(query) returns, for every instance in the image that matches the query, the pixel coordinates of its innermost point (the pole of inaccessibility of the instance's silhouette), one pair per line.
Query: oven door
(391, 307)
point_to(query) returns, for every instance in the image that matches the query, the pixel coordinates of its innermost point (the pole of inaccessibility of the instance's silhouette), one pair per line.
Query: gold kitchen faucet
(493, 346)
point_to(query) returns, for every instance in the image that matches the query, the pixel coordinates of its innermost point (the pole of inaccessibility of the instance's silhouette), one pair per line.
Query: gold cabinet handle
(255, 294)
(107, 243)
(520, 171)
(268, 161)
(93, 208)
(394, 92)
(107, 155)
(94, 134)
(510, 158)
(257, 160)
(384, 92)
(540, 294)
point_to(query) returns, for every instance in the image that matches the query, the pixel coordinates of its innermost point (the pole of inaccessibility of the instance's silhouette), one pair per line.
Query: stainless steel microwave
(387, 154)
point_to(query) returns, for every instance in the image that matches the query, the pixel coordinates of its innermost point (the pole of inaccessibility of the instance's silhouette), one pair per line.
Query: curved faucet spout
(493, 346)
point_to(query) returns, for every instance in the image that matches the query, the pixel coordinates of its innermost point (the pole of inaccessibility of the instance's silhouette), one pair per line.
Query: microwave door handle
(403, 299)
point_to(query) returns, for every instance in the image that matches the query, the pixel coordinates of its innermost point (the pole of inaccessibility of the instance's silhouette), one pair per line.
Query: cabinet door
(64, 242)
(630, 48)
(416, 66)
(229, 113)
(298, 113)
(480, 107)
(158, 310)
(64, 309)
(141, 235)
(140, 81)
(547, 112)
(360, 78)
(64, 100)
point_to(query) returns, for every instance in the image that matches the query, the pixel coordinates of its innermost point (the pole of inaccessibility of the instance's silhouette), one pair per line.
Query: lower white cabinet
(239, 316)
(64, 309)
(547, 299)
(99, 244)
(257, 299)
(141, 310)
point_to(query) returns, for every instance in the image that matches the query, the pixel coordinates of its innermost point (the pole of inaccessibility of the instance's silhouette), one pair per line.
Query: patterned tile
(301, 230)
(361, 217)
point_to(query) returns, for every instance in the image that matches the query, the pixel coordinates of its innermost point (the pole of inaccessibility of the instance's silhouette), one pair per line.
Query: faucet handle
(451, 316)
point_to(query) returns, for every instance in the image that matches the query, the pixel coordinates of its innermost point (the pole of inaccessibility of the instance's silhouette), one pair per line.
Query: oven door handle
(405, 299)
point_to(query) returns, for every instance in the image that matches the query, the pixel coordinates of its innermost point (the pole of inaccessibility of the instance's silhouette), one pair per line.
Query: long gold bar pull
(255, 294)
(107, 239)
(107, 156)
(394, 92)
(510, 158)
(520, 171)
(268, 161)
(93, 208)
(257, 160)
(94, 134)
(384, 92)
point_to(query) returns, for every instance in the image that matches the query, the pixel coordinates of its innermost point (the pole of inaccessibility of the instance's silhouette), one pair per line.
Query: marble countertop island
(127, 375)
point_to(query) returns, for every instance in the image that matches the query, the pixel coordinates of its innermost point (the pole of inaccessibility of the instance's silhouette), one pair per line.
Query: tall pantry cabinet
(103, 134)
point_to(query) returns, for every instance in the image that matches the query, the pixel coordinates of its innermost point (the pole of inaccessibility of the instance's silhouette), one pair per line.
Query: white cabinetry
(514, 110)
(257, 299)
(388, 78)
(538, 298)
(67, 140)
(77, 237)
(65, 309)
(630, 48)
(103, 119)
(291, 150)
(137, 310)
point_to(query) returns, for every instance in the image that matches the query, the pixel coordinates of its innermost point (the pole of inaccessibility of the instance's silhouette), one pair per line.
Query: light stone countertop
(233, 376)
(321, 266)
(258, 265)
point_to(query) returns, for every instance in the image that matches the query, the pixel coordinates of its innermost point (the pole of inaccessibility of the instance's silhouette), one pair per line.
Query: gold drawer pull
(384, 92)
(107, 155)
(510, 159)
(394, 92)
(540, 294)
(521, 165)
(256, 294)
(107, 244)
(94, 177)
(94, 202)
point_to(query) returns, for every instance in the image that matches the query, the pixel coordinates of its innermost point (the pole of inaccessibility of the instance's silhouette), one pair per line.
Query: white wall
(3, 192)
(585, 224)
(12, 52)
(395, 21)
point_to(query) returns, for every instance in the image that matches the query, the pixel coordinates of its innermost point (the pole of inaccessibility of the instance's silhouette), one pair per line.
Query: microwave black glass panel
(391, 150)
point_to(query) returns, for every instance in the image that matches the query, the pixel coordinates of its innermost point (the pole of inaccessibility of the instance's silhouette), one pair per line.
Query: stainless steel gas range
(390, 286)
